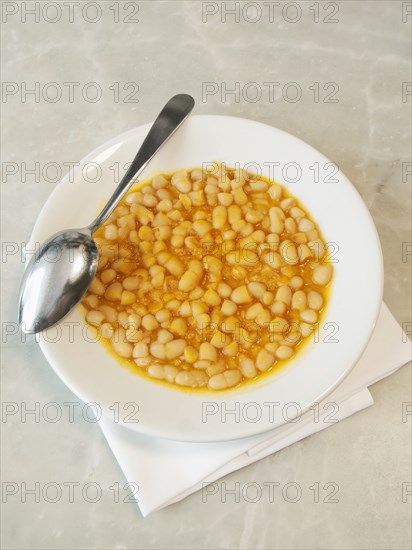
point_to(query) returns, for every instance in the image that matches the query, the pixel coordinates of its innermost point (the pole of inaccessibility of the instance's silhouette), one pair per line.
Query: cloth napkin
(167, 471)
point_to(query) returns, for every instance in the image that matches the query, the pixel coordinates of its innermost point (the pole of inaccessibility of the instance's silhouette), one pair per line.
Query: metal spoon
(61, 271)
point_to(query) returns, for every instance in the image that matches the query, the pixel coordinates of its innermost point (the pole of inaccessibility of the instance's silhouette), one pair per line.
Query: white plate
(95, 376)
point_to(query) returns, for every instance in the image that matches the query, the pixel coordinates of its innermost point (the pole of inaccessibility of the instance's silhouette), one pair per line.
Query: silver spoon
(61, 271)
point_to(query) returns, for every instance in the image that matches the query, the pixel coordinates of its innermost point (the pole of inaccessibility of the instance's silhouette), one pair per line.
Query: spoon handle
(176, 110)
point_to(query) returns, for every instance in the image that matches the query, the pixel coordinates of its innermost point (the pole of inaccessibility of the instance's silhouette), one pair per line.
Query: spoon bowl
(56, 278)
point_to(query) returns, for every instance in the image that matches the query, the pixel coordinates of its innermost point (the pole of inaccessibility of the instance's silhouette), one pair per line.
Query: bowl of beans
(239, 281)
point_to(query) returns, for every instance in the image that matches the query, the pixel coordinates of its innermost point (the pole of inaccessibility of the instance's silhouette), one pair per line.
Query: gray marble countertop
(336, 75)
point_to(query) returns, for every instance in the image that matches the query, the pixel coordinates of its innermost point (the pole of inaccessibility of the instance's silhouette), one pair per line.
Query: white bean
(315, 300)
(284, 352)
(264, 360)
(299, 300)
(309, 316)
(322, 275)
(247, 366)
(226, 379)
(175, 348)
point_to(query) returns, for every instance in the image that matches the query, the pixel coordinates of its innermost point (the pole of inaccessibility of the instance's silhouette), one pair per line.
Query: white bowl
(154, 409)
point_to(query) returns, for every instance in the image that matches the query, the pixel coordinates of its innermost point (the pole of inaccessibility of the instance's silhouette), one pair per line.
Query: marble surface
(162, 48)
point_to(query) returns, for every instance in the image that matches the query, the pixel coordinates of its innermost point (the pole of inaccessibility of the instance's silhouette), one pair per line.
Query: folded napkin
(167, 471)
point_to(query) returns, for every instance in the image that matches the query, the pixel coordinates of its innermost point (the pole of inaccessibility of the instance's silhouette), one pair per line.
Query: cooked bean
(149, 322)
(164, 336)
(149, 200)
(254, 216)
(215, 368)
(253, 311)
(159, 182)
(127, 298)
(239, 196)
(268, 298)
(191, 278)
(322, 274)
(231, 349)
(108, 275)
(225, 380)
(247, 366)
(175, 348)
(181, 182)
(315, 300)
(296, 212)
(191, 354)
(123, 319)
(296, 282)
(240, 295)
(263, 318)
(178, 326)
(212, 298)
(132, 198)
(224, 290)
(156, 371)
(276, 221)
(158, 350)
(284, 352)
(140, 350)
(234, 213)
(257, 289)
(143, 361)
(220, 339)
(225, 199)
(96, 287)
(172, 263)
(145, 233)
(95, 318)
(92, 301)
(191, 378)
(110, 232)
(163, 315)
(273, 259)
(106, 330)
(228, 307)
(219, 217)
(284, 294)
(299, 300)
(114, 292)
(264, 360)
(170, 372)
(309, 316)
(207, 351)
(275, 191)
(278, 308)
(287, 203)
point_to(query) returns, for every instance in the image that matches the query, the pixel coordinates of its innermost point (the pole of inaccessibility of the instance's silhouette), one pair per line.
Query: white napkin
(167, 471)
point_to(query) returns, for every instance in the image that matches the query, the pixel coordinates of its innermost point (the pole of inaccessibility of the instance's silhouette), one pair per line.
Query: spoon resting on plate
(50, 289)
